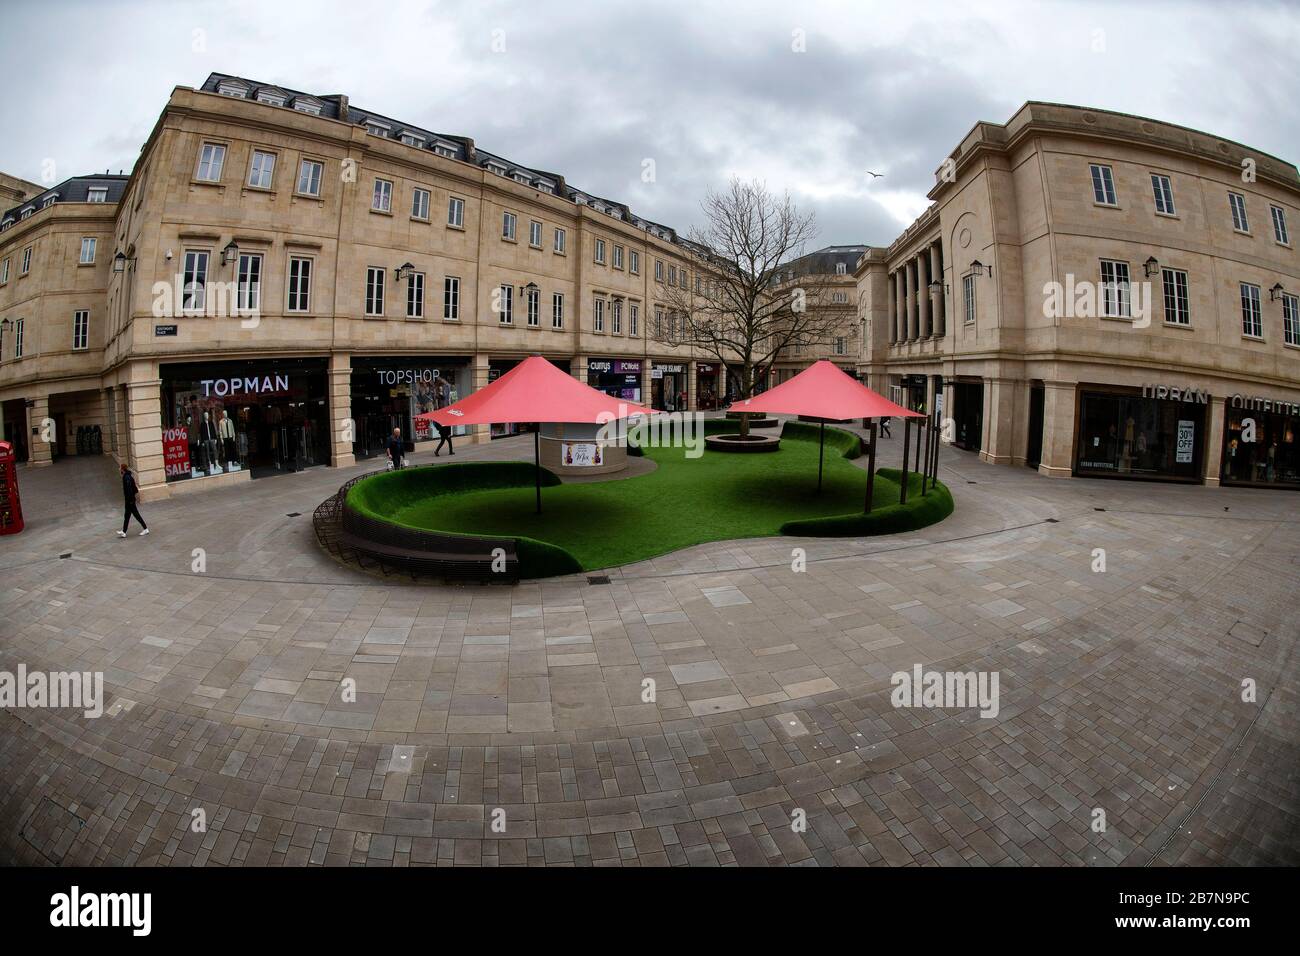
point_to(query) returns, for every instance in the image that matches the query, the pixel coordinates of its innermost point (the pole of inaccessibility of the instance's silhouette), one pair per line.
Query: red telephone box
(11, 509)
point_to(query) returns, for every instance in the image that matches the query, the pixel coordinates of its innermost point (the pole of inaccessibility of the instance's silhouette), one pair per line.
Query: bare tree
(749, 297)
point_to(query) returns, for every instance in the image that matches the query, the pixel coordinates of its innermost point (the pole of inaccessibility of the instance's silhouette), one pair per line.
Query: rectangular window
(1116, 301)
(507, 305)
(1291, 319)
(375, 290)
(968, 298)
(1164, 194)
(535, 234)
(451, 299)
(557, 310)
(1103, 185)
(534, 308)
(248, 286)
(1279, 225)
(559, 241)
(97, 194)
(1237, 202)
(27, 262)
(841, 346)
(634, 263)
(18, 339)
(1251, 322)
(382, 201)
(600, 251)
(415, 295)
(87, 251)
(299, 284)
(4, 271)
(672, 275)
(508, 223)
(616, 317)
(633, 318)
(194, 289)
(420, 204)
(456, 212)
(598, 320)
(211, 158)
(80, 329)
(309, 177)
(618, 257)
(1177, 310)
(659, 270)
(262, 170)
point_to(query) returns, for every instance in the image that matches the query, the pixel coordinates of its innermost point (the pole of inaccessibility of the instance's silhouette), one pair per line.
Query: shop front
(968, 414)
(389, 392)
(668, 386)
(264, 416)
(913, 390)
(499, 367)
(708, 386)
(1259, 442)
(618, 378)
(1150, 433)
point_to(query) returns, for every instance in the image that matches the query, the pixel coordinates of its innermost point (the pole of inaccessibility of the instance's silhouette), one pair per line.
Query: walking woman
(129, 492)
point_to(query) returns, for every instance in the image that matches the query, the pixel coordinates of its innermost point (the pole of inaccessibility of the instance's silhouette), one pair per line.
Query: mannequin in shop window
(208, 436)
(444, 392)
(226, 432)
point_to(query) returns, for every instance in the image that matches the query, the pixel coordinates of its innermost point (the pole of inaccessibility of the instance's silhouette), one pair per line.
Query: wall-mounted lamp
(120, 260)
(404, 270)
(230, 253)
(1275, 293)
(5, 326)
(977, 268)
(936, 287)
(1151, 266)
(531, 287)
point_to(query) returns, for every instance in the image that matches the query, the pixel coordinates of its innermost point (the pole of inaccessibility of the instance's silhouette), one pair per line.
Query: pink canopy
(823, 391)
(535, 391)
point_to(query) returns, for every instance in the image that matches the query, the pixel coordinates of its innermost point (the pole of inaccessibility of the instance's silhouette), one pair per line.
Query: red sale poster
(176, 452)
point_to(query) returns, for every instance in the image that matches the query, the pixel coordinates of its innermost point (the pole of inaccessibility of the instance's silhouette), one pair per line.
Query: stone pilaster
(40, 433)
(940, 304)
(923, 296)
(144, 449)
(692, 384)
(481, 434)
(1058, 429)
(1211, 467)
(342, 426)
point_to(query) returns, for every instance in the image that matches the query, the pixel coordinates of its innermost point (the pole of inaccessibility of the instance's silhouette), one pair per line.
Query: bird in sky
(874, 175)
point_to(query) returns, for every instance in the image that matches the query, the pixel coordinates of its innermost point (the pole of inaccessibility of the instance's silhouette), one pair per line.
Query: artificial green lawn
(683, 502)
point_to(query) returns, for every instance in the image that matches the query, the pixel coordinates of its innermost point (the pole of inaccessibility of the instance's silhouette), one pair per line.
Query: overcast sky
(806, 96)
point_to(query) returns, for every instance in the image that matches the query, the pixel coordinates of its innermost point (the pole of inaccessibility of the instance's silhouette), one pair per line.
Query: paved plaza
(1120, 691)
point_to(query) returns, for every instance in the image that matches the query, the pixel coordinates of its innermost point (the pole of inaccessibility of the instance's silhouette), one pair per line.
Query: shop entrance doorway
(1034, 451)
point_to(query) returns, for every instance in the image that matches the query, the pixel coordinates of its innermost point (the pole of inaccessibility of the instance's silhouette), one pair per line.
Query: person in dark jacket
(129, 492)
(884, 427)
(444, 438)
(395, 448)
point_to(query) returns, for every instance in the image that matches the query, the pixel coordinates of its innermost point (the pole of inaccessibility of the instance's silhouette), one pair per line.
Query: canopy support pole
(537, 462)
(907, 444)
(871, 469)
(920, 463)
(934, 453)
(821, 453)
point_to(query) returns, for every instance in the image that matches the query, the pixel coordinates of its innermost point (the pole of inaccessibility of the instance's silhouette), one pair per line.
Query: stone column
(342, 427)
(482, 434)
(999, 421)
(647, 383)
(1212, 466)
(895, 305)
(940, 305)
(722, 384)
(144, 433)
(913, 303)
(923, 295)
(909, 290)
(1058, 429)
(40, 433)
(692, 384)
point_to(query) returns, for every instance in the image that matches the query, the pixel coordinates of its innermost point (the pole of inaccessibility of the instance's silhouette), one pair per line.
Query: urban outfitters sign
(1173, 394)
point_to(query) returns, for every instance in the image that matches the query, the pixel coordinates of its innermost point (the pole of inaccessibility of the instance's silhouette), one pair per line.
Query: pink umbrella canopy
(535, 391)
(823, 391)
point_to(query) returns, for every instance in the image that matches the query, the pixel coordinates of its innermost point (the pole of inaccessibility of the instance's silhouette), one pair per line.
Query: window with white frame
(299, 299)
(420, 204)
(616, 317)
(600, 251)
(672, 275)
(1116, 300)
(1280, 233)
(509, 222)
(968, 299)
(377, 129)
(87, 250)
(598, 316)
(261, 170)
(659, 323)
(451, 298)
(634, 263)
(26, 266)
(97, 194)
(659, 270)
(633, 318)
(270, 99)
(80, 330)
(4, 271)
(534, 308)
(1291, 319)
(382, 199)
(839, 297)
(1177, 307)
(1163, 191)
(412, 139)
(212, 156)
(18, 339)
(507, 305)
(27, 213)
(456, 212)
(1103, 185)
(248, 282)
(375, 290)
(618, 257)
(415, 295)
(302, 106)
(841, 345)
(559, 241)
(1252, 324)
(1237, 202)
(841, 269)
(310, 173)
(535, 234)
(194, 288)
(557, 310)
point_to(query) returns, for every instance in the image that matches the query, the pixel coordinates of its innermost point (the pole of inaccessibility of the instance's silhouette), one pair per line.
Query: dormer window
(229, 88)
(521, 178)
(48, 201)
(97, 194)
(377, 129)
(303, 105)
(498, 168)
(445, 149)
(26, 213)
(270, 97)
(545, 186)
(412, 139)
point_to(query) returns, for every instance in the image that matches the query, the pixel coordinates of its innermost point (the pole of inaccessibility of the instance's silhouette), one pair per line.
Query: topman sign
(249, 385)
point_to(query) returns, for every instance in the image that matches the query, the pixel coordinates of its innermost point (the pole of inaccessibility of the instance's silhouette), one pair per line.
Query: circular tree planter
(745, 444)
(755, 421)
